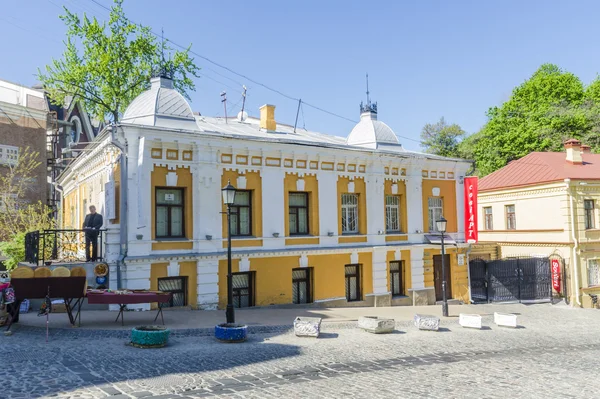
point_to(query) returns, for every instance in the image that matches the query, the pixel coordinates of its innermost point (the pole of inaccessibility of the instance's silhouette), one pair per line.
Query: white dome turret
(370, 132)
(162, 106)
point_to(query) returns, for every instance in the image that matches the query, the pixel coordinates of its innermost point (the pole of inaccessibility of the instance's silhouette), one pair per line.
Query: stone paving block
(505, 319)
(376, 325)
(470, 320)
(307, 326)
(427, 322)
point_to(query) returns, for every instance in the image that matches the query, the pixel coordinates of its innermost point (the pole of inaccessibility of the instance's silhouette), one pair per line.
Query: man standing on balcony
(92, 223)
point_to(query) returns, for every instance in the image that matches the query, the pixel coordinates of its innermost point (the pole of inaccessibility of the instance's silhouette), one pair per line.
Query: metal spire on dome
(165, 69)
(368, 107)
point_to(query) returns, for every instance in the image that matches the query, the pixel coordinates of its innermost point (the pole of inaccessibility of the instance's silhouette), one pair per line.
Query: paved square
(554, 354)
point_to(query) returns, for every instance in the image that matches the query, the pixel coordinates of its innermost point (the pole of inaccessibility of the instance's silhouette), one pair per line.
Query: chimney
(586, 149)
(573, 147)
(267, 118)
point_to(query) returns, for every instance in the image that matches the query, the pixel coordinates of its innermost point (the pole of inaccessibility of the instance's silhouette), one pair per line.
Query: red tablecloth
(110, 298)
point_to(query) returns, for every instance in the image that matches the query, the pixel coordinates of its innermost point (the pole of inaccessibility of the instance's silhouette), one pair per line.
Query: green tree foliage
(442, 139)
(107, 65)
(544, 111)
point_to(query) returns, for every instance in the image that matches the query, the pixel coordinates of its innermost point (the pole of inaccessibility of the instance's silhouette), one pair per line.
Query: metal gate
(512, 279)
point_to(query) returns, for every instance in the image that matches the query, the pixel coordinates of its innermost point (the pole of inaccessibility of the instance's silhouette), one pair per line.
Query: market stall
(124, 298)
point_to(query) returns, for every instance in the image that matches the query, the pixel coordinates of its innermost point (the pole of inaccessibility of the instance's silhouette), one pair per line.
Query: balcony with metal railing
(47, 247)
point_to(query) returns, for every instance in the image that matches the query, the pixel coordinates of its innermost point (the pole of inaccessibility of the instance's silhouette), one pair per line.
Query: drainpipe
(58, 208)
(122, 203)
(575, 243)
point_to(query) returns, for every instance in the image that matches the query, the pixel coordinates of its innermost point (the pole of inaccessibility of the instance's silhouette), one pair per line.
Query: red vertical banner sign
(470, 184)
(556, 275)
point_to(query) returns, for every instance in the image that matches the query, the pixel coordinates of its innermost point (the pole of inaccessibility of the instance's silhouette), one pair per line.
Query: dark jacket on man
(92, 223)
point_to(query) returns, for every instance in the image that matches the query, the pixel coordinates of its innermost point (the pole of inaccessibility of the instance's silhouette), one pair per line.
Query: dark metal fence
(512, 279)
(61, 246)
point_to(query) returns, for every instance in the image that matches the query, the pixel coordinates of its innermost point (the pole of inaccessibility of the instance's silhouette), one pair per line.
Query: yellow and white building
(318, 218)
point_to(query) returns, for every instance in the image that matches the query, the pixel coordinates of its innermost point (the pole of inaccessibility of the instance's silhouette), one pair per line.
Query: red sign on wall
(471, 209)
(556, 275)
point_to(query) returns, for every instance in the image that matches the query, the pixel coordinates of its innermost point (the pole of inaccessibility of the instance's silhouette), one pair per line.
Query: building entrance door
(437, 277)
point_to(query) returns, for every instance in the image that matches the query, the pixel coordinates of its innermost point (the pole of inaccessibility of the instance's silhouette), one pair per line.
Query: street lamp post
(441, 227)
(228, 198)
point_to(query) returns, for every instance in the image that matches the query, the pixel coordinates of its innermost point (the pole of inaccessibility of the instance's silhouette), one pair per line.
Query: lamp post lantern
(228, 198)
(441, 228)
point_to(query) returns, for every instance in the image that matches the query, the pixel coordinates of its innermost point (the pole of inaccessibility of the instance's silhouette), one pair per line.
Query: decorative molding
(172, 155)
(303, 261)
(314, 165)
(450, 175)
(226, 158)
(498, 195)
(442, 175)
(156, 153)
(241, 183)
(241, 159)
(435, 191)
(257, 161)
(301, 164)
(351, 187)
(288, 163)
(300, 185)
(424, 173)
(395, 188)
(273, 161)
(341, 167)
(327, 165)
(245, 264)
(171, 180)
(173, 269)
(362, 168)
(354, 257)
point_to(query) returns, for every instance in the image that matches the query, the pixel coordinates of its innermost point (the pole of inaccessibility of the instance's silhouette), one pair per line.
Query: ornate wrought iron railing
(62, 246)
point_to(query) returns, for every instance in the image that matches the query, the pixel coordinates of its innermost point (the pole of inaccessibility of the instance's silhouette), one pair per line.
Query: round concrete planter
(150, 336)
(231, 332)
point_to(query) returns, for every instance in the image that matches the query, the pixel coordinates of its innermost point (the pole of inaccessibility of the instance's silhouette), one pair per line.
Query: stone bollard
(426, 322)
(505, 319)
(376, 325)
(470, 320)
(307, 326)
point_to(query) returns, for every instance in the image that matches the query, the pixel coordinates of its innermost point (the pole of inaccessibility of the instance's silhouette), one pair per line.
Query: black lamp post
(441, 228)
(228, 199)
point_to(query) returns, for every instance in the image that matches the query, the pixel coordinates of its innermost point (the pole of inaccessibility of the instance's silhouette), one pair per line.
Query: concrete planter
(150, 336)
(470, 320)
(426, 322)
(307, 326)
(505, 319)
(231, 333)
(376, 325)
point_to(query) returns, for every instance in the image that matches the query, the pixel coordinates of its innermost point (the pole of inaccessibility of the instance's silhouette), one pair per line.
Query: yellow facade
(184, 180)
(311, 187)
(253, 184)
(401, 194)
(459, 275)
(360, 188)
(448, 195)
(186, 269)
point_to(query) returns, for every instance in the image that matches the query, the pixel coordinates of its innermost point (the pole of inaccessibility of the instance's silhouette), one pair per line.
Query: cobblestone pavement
(553, 354)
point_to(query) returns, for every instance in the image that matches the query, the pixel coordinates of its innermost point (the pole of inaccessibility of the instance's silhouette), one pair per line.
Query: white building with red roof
(546, 204)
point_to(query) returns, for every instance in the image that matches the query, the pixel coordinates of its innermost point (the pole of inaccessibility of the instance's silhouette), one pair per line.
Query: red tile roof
(541, 167)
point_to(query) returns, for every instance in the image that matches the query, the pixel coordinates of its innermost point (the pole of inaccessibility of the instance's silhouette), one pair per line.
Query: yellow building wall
(328, 275)
(366, 261)
(311, 186)
(69, 200)
(158, 179)
(360, 188)
(254, 184)
(403, 206)
(405, 257)
(235, 267)
(159, 270)
(459, 275)
(448, 194)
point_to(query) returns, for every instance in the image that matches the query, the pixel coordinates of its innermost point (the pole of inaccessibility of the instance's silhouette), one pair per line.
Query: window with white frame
(488, 218)
(392, 213)
(511, 221)
(588, 206)
(349, 213)
(436, 211)
(593, 272)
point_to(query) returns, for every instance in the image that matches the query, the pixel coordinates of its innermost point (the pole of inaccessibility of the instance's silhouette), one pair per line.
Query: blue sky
(425, 59)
